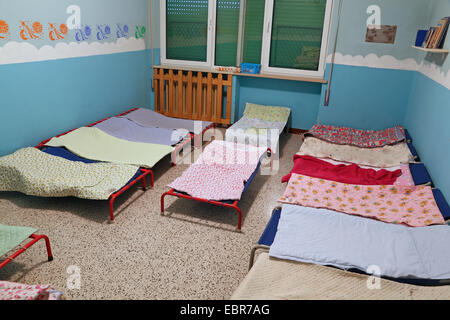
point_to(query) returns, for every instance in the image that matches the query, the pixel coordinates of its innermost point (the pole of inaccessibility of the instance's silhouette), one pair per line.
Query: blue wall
(366, 98)
(301, 97)
(42, 99)
(428, 120)
(428, 113)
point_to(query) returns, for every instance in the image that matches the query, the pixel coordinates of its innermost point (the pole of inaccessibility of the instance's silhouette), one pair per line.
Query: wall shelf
(432, 50)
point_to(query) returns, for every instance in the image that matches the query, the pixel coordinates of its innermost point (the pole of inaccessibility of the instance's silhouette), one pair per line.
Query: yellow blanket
(94, 144)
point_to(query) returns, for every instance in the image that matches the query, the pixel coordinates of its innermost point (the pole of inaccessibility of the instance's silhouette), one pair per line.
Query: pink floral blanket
(358, 137)
(220, 172)
(18, 291)
(410, 205)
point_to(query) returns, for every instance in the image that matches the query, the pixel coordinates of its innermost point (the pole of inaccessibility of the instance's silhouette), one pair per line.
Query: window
(227, 33)
(296, 36)
(285, 36)
(187, 32)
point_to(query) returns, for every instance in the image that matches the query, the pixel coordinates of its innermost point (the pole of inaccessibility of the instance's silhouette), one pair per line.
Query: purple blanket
(125, 129)
(150, 118)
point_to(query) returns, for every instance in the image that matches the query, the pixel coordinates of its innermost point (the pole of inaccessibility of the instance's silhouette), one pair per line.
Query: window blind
(186, 29)
(297, 28)
(227, 30)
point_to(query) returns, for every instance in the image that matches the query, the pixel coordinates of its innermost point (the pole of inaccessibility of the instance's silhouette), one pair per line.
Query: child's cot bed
(136, 133)
(275, 279)
(272, 278)
(150, 118)
(211, 179)
(259, 126)
(122, 177)
(12, 236)
(268, 235)
(140, 175)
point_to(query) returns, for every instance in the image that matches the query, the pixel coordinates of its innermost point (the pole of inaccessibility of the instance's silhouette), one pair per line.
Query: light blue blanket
(150, 118)
(326, 237)
(126, 129)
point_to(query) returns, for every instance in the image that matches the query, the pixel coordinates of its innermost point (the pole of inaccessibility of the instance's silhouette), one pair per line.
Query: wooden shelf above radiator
(259, 75)
(282, 77)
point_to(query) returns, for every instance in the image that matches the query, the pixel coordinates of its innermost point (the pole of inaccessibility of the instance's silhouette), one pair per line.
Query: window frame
(266, 45)
(209, 64)
(210, 39)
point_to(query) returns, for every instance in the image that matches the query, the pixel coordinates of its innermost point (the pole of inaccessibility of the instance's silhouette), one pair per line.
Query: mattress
(326, 237)
(274, 279)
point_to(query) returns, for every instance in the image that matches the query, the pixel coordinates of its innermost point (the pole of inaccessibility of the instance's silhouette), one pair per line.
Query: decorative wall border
(22, 52)
(431, 70)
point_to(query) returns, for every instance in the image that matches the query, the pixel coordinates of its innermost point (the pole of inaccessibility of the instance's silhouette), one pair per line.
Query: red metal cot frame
(144, 171)
(141, 177)
(198, 137)
(34, 238)
(234, 205)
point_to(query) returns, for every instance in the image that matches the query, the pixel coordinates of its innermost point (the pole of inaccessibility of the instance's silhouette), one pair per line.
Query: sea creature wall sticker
(103, 32)
(57, 33)
(31, 30)
(83, 33)
(140, 32)
(122, 31)
(34, 30)
(4, 30)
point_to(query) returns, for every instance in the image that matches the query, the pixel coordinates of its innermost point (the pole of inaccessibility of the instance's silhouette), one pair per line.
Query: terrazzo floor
(193, 252)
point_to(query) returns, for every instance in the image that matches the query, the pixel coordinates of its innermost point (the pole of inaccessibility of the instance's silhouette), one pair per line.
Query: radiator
(193, 95)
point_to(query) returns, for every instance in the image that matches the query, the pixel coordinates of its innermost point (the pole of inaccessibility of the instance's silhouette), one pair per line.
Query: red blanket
(352, 173)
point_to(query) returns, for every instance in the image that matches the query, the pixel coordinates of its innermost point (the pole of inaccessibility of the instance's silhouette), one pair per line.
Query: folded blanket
(358, 137)
(18, 291)
(93, 143)
(126, 129)
(150, 118)
(387, 156)
(220, 172)
(326, 237)
(413, 206)
(37, 173)
(351, 173)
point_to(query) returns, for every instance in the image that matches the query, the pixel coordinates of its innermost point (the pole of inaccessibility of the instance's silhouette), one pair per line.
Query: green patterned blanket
(37, 173)
(12, 236)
